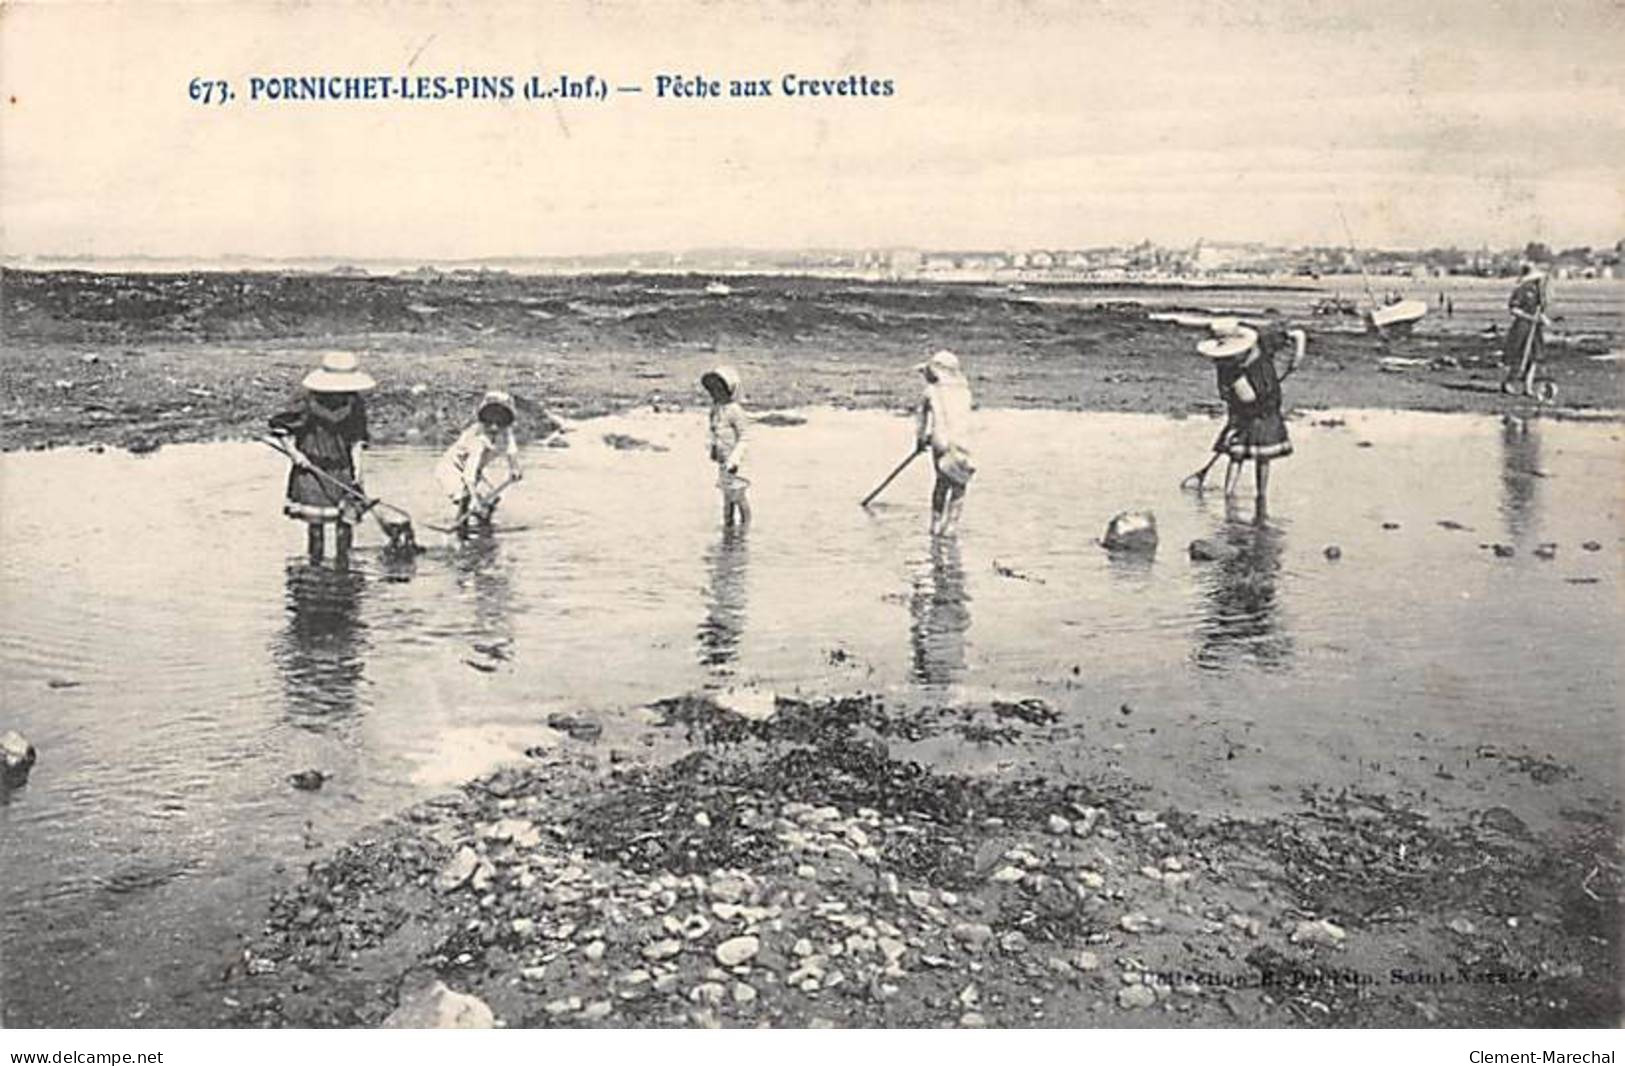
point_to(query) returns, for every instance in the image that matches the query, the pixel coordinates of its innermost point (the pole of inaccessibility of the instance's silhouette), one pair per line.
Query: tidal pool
(174, 656)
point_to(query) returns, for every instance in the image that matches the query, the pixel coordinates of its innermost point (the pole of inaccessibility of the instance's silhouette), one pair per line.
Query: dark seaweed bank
(146, 359)
(818, 867)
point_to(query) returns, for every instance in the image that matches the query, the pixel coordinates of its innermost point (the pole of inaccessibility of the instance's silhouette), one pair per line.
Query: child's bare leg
(314, 542)
(955, 506)
(341, 545)
(743, 506)
(939, 502)
(1263, 475)
(1232, 474)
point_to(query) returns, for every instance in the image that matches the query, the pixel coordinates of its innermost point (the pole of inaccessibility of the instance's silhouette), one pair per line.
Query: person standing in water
(1250, 386)
(725, 439)
(327, 434)
(943, 425)
(464, 464)
(1526, 339)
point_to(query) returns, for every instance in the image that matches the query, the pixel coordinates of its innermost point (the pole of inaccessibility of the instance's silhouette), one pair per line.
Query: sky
(1011, 126)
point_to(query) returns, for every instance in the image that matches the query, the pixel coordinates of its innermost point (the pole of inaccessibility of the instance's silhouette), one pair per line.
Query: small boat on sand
(717, 288)
(1397, 317)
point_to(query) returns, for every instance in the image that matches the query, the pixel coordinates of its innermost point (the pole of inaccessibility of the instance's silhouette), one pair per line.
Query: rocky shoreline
(812, 868)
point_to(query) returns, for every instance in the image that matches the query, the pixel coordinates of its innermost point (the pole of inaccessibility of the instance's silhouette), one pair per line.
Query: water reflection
(320, 654)
(939, 609)
(1241, 618)
(724, 623)
(1520, 475)
(487, 576)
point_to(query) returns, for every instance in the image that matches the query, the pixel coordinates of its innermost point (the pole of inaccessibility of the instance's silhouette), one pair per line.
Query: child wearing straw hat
(464, 464)
(326, 434)
(725, 441)
(943, 425)
(1250, 386)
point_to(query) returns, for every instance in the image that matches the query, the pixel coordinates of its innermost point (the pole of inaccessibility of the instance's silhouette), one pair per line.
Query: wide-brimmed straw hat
(943, 362)
(339, 372)
(1228, 344)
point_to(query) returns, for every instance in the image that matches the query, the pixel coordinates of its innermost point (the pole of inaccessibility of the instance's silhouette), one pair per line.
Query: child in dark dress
(327, 433)
(1250, 386)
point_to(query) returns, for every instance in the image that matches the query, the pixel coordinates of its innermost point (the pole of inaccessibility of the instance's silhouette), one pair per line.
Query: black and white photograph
(811, 515)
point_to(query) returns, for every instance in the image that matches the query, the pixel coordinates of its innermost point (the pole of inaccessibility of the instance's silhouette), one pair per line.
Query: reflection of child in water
(725, 440)
(463, 466)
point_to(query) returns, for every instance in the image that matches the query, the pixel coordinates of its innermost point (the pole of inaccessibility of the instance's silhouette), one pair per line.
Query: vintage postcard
(811, 515)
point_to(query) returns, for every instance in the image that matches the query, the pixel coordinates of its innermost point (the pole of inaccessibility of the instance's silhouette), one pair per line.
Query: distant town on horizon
(1143, 260)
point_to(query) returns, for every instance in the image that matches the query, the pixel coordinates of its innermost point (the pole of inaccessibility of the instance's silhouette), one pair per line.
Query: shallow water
(174, 657)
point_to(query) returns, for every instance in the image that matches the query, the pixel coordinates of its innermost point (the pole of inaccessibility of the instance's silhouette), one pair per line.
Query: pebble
(738, 950)
(1151, 872)
(1322, 932)
(1059, 825)
(1013, 942)
(1250, 926)
(803, 948)
(1592, 546)
(891, 948)
(973, 934)
(662, 949)
(1173, 864)
(458, 870)
(744, 994)
(1135, 997)
(1091, 879)
(597, 1011)
(702, 819)
(1462, 926)
(594, 951)
(568, 1005)
(1086, 961)
(1333, 552)
(919, 897)
(1008, 874)
(728, 888)
(710, 993)
(972, 1020)
(1136, 923)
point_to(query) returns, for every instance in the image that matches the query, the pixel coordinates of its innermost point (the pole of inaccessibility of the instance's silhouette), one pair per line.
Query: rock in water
(17, 757)
(1206, 550)
(434, 1006)
(307, 780)
(1132, 531)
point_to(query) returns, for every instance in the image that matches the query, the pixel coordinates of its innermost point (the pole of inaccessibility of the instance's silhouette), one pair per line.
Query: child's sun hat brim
(1228, 346)
(339, 372)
